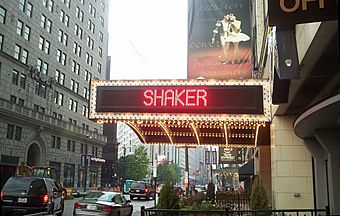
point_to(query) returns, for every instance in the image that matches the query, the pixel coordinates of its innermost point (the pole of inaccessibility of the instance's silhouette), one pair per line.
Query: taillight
(146, 190)
(45, 198)
(107, 208)
(77, 205)
(2, 196)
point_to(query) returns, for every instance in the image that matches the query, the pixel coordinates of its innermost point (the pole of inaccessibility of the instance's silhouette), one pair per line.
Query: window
(10, 131)
(80, 14)
(2, 15)
(90, 25)
(43, 21)
(61, 57)
(23, 81)
(92, 10)
(22, 5)
(102, 6)
(13, 99)
(82, 1)
(1, 41)
(24, 56)
(49, 26)
(64, 18)
(17, 51)
(85, 111)
(50, 5)
(101, 37)
(100, 52)
(36, 108)
(90, 42)
(29, 9)
(58, 98)
(72, 85)
(18, 131)
(75, 67)
(60, 77)
(20, 25)
(27, 33)
(21, 102)
(77, 49)
(15, 77)
(89, 59)
(45, 68)
(44, 45)
(39, 64)
(40, 89)
(85, 92)
(67, 3)
(42, 109)
(87, 76)
(102, 21)
(78, 31)
(53, 141)
(63, 37)
(73, 106)
(99, 67)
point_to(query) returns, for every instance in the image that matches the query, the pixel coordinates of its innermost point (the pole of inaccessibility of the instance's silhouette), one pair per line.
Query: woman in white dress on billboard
(230, 32)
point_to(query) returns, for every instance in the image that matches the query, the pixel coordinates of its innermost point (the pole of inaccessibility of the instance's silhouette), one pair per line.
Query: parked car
(103, 203)
(28, 195)
(142, 189)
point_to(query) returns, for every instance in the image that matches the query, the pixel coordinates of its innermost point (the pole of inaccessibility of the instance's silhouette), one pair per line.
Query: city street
(68, 211)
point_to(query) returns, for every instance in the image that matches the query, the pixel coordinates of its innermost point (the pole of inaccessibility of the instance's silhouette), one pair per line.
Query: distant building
(49, 52)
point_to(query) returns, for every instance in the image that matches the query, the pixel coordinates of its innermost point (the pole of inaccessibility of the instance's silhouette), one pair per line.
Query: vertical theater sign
(186, 112)
(220, 39)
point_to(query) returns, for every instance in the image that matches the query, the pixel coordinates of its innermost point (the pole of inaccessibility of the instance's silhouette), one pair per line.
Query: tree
(168, 172)
(168, 198)
(258, 197)
(134, 166)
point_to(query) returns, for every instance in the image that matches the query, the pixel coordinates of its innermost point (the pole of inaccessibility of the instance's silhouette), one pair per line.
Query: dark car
(142, 189)
(28, 195)
(103, 203)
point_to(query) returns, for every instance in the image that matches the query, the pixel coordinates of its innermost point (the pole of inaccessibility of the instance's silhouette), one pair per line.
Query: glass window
(22, 5)
(69, 170)
(43, 21)
(49, 26)
(45, 68)
(20, 25)
(29, 9)
(15, 77)
(50, 5)
(47, 47)
(18, 131)
(13, 99)
(2, 15)
(27, 33)
(39, 64)
(23, 81)
(1, 41)
(53, 141)
(21, 102)
(10, 131)
(17, 51)
(24, 56)
(41, 43)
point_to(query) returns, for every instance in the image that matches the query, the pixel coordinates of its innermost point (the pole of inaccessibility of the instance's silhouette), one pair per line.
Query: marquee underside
(187, 129)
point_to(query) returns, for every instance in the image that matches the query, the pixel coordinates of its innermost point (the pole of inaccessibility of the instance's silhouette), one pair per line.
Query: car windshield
(31, 186)
(106, 197)
(93, 195)
(138, 185)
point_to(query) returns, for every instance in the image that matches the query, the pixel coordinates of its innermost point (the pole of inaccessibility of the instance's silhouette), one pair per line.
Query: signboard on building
(282, 12)
(219, 41)
(230, 155)
(181, 99)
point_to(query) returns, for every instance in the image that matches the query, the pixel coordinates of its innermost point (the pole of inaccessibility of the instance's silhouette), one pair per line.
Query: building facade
(50, 50)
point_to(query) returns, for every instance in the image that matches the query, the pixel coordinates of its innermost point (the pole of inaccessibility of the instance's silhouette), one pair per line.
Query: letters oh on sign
(283, 12)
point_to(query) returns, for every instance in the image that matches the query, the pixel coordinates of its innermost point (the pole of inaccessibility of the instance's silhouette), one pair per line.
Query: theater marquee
(184, 112)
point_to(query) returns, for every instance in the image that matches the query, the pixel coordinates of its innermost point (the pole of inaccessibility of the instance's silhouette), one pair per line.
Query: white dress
(230, 35)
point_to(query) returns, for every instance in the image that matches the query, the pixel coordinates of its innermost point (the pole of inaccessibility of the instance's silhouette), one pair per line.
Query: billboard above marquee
(219, 39)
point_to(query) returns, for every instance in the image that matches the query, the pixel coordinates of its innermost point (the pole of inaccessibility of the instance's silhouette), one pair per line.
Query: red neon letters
(175, 97)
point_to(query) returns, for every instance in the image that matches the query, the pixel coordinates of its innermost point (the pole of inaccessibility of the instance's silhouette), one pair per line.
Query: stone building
(50, 50)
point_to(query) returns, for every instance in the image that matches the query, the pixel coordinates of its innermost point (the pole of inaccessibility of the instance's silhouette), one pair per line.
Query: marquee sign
(186, 112)
(181, 99)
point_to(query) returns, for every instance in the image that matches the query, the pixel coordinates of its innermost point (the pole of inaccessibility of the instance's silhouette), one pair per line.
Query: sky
(148, 39)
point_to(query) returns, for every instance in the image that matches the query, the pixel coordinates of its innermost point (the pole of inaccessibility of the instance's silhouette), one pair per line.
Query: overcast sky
(148, 39)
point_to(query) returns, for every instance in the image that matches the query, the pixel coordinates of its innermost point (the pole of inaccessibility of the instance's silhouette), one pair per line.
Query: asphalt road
(137, 204)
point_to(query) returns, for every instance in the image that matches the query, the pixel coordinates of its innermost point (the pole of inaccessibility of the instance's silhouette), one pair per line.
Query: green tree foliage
(134, 166)
(168, 172)
(168, 198)
(258, 197)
